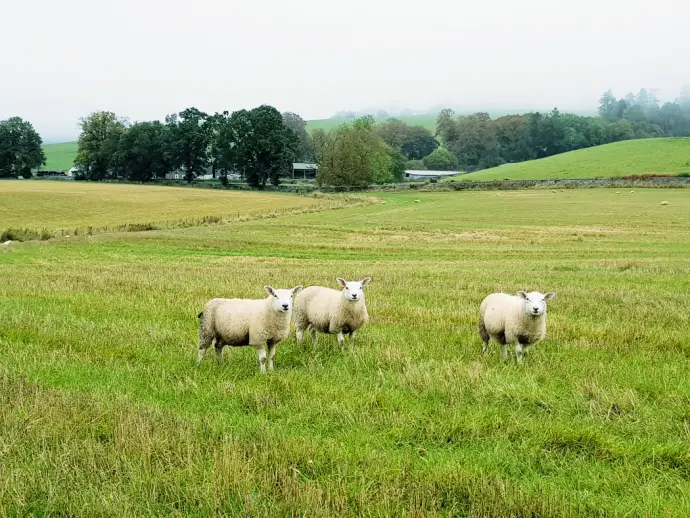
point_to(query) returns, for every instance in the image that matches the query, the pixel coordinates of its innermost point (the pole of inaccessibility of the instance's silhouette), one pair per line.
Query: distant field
(60, 157)
(666, 155)
(68, 204)
(103, 413)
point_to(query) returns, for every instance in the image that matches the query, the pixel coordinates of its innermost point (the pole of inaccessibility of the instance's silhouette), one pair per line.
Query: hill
(60, 157)
(663, 155)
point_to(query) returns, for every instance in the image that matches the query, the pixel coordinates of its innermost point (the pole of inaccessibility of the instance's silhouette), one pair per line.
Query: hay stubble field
(103, 413)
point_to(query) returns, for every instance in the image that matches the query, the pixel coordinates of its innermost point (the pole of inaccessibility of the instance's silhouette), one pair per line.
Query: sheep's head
(281, 300)
(535, 302)
(353, 290)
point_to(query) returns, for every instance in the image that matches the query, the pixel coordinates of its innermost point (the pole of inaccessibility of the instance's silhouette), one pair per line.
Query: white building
(411, 174)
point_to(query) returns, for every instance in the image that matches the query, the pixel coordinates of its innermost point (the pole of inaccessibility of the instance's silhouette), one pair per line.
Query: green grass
(60, 157)
(92, 207)
(103, 413)
(665, 156)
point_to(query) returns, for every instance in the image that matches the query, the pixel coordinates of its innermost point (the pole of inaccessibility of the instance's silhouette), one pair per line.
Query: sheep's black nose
(354, 297)
(285, 306)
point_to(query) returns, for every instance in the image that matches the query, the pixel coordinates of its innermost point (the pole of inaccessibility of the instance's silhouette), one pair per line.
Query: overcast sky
(60, 60)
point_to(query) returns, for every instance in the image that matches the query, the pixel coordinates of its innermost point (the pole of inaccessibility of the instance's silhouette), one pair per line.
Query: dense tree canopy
(98, 145)
(20, 149)
(355, 155)
(305, 147)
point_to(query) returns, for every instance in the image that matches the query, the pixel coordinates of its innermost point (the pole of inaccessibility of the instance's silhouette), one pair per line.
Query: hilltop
(661, 155)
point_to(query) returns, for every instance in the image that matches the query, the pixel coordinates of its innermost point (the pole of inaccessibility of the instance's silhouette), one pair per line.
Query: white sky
(60, 60)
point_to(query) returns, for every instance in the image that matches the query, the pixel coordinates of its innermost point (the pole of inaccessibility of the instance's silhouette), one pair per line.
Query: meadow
(60, 156)
(69, 207)
(645, 156)
(102, 411)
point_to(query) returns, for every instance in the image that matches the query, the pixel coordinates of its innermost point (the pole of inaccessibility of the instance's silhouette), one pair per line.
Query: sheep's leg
(300, 335)
(341, 339)
(504, 351)
(219, 353)
(271, 354)
(484, 336)
(261, 353)
(352, 339)
(519, 355)
(314, 336)
(204, 343)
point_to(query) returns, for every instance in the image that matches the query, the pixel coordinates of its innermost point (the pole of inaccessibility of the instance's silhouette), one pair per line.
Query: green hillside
(663, 155)
(60, 157)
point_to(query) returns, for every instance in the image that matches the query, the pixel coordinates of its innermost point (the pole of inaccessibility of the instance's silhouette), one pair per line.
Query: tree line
(479, 142)
(260, 144)
(20, 149)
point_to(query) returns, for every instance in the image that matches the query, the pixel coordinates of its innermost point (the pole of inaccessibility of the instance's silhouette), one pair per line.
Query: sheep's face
(281, 300)
(535, 302)
(353, 290)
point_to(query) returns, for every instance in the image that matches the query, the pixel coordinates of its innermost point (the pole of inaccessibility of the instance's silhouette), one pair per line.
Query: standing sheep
(508, 319)
(261, 323)
(331, 311)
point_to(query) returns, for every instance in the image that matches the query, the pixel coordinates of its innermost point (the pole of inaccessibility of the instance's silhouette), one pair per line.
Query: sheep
(417, 201)
(664, 203)
(261, 323)
(330, 311)
(513, 319)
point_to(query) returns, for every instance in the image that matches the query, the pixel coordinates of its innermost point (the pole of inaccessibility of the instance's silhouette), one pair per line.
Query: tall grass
(103, 413)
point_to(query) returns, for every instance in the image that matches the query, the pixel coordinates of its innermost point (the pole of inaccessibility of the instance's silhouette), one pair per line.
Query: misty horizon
(146, 60)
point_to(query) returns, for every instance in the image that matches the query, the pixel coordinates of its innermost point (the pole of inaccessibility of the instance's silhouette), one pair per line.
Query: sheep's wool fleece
(238, 322)
(327, 311)
(503, 313)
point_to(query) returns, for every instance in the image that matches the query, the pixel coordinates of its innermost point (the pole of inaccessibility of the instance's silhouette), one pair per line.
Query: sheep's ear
(366, 281)
(550, 295)
(342, 282)
(269, 290)
(297, 289)
(522, 295)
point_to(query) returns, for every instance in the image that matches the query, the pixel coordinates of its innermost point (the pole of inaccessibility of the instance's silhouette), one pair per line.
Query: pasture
(102, 411)
(82, 207)
(60, 156)
(644, 156)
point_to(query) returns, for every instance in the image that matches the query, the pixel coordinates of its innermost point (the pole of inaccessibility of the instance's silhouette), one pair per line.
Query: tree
(446, 126)
(98, 144)
(143, 152)
(415, 142)
(260, 145)
(441, 160)
(20, 149)
(355, 155)
(189, 141)
(415, 165)
(305, 147)
(608, 105)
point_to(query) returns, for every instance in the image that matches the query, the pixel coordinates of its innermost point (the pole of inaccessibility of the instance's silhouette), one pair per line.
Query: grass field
(60, 157)
(666, 155)
(79, 205)
(103, 413)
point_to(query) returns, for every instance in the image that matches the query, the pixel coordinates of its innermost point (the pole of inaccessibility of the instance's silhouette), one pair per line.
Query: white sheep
(330, 311)
(261, 323)
(513, 319)
(664, 203)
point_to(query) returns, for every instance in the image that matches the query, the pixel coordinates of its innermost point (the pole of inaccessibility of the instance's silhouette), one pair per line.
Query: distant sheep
(519, 320)
(417, 201)
(325, 310)
(261, 323)
(664, 203)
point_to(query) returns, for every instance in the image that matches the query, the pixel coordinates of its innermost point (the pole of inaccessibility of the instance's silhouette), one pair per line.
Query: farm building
(304, 170)
(429, 175)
